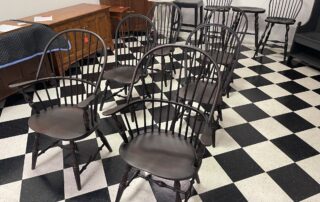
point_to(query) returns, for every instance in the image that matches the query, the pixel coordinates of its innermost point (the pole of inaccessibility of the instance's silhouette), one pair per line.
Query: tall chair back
(221, 43)
(236, 20)
(167, 18)
(288, 9)
(135, 35)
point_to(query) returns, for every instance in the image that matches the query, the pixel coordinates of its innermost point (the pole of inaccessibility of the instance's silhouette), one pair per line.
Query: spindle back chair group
(171, 110)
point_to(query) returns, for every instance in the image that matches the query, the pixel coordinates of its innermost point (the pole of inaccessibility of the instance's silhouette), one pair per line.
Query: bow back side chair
(281, 12)
(224, 47)
(167, 18)
(235, 20)
(167, 137)
(65, 102)
(216, 5)
(135, 35)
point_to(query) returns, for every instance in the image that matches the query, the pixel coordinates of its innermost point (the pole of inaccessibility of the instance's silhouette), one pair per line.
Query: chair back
(135, 35)
(236, 20)
(288, 9)
(221, 43)
(219, 3)
(167, 18)
(193, 69)
(75, 60)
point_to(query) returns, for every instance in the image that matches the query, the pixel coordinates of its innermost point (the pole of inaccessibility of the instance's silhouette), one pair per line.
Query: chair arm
(85, 103)
(207, 135)
(119, 108)
(22, 84)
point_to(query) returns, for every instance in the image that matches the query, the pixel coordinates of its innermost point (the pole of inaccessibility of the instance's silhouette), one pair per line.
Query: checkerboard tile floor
(267, 149)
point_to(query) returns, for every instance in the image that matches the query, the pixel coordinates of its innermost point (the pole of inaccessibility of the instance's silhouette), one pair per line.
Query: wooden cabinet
(120, 8)
(91, 17)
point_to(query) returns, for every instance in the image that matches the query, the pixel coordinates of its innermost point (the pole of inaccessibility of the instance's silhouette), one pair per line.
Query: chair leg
(197, 178)
(164, 70)
(104, 95)
(286, 43)
(171, 62)
(75, 166)
(261, 40)
(104, 140)
(123, 183)
(267, 38)
(177, 186)
(145, 87)
(35, 151)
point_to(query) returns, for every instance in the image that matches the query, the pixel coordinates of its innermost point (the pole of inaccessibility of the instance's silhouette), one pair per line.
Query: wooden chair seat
(65, 122)
(121, 74)
(163, 52)
(286, 21)
(208, 96)
(162, 154)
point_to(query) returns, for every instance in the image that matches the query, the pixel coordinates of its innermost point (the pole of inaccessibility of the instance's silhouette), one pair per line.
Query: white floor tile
(50, 161)
(311, 137)
(17, 146)
(139, 190)
(262, 188)
(211, 176)
(10, 192)
(15, 112)
(272, 107)
(268, 156)
(270, 128)
(90, 180)
(311, 166)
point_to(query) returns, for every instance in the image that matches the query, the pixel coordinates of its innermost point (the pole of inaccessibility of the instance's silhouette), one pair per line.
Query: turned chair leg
(35, 151)
(104, 95)
(104, 140)
(197, 178)
(75, 165)
(261, 40)
(177, 186)
(123, 183)
(286, 43)
(164, 70)
(267, 38)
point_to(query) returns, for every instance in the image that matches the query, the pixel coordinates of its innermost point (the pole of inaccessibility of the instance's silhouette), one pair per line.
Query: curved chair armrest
(206, 138)
(85, 103)
(22, 84)
(119, 108)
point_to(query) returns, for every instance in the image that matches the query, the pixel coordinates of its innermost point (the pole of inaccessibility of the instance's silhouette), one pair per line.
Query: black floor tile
(292, 102)
(228, 193)
(108, 125)
(49, 187)
(295, 182)
(44, 142)
(292, 74)
(263, 60)
(245, 135)
(238, 164)
(258, 81)
(255, 95)
(261, 69)
(86, 149)
(294, 122)
(11, 169)
(72, 91)
(292, 87)
(251, 112)
(101, 195)
(14, 127)
(294, 147)
(114, 168)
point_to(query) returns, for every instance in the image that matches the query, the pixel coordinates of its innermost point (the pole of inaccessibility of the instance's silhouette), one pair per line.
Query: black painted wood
(66, 103)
